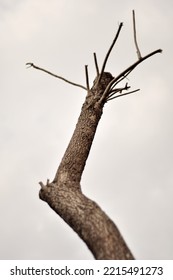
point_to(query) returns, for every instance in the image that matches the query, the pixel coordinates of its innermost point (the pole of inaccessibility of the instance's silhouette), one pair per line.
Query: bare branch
(116, 90)
(96, 64)
(121, 79)
(87, 77)
(109, 51)
(123, 94)
(30, 64)
(125, 72)
(135, 38)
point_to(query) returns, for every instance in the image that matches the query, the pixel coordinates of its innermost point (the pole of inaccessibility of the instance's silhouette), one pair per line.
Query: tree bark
(64, 193)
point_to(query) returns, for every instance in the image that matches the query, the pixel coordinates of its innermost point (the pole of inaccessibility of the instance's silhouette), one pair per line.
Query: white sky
(129, 171)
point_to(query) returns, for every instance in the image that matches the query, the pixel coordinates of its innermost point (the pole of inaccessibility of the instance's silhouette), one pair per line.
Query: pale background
(129, 171)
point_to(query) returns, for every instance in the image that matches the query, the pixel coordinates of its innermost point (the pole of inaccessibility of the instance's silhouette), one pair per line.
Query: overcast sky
(129, 172)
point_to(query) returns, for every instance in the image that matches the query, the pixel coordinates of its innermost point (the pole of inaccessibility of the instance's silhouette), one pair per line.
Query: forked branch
(124, 74)
(109, 91)
(122, 94)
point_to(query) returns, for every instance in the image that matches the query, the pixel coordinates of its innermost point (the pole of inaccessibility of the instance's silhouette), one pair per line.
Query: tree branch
(123, 94)
(125, 73)
(87, 78)
(96, 64)
(109, 51)
(121, 79)
(135, 38)
(30, 64)
(116, 90)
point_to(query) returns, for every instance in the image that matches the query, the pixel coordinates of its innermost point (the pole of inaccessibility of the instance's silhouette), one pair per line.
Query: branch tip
(30, 64)
(41, 184)
(96, 64)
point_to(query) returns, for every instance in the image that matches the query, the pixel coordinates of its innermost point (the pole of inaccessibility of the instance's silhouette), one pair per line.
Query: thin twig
(96, 64)
(116, 90)
(123, 94)
(126, 71)
(121, 79)
(109, 51)
(87, 78)
(30, 64)
(135, 38)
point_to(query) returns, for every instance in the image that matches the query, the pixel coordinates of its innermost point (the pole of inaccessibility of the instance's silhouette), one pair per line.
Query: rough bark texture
(64, 193)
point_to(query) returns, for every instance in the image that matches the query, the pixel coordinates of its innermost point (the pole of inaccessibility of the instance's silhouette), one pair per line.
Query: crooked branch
(30, 64)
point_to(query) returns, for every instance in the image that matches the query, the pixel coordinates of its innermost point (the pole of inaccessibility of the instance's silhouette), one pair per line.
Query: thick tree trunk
(64, 194)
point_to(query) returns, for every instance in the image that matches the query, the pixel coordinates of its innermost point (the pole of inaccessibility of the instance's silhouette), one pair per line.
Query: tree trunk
(64, 194)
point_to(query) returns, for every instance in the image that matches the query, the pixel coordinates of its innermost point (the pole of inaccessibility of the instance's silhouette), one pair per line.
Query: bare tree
(64, 194)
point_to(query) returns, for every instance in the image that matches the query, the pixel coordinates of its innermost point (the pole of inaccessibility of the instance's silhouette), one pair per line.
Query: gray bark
(64, 194)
